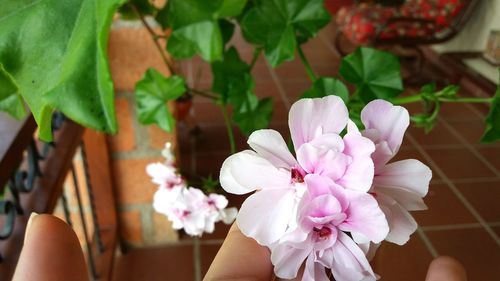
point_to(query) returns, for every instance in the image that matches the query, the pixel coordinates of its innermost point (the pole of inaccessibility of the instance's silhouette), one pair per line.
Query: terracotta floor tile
(208, 253)
(326, 69)
(408, 262)
(492, 154)
(443, 208)
(477, 251)
(459, 163)
(291, 71)
(267, 89)
(294, 89)
(457, 112)
(484, 198)
(155, 264)
(496, 229)
(471, 130)
(439, 135)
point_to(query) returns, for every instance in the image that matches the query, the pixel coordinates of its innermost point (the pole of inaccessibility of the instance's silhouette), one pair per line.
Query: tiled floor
(463, 219)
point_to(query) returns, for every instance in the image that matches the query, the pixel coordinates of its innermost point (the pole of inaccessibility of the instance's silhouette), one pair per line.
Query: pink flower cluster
(338, 198)
(186, 207)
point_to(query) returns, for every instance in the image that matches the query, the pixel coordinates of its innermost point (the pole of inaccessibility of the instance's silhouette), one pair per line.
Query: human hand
(242, 259)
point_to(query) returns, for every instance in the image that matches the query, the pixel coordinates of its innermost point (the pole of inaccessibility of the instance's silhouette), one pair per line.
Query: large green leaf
(231, 77)
(10, 100)
(152, 94)
(492, 132)
(375, 73)
(143, 6)
(274, 24)
(255, 118)
(56, 52)
(196, 26)
(325, 86)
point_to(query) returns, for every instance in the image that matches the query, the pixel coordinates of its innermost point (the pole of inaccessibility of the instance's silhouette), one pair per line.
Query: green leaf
(227, 29)
(143, 6)
(325, 86)
(231, 77)
(196, 26)
(56, 53)
(152, 94)
(274, 24)
(10, 100)
(375, 73)
(256, 118)
(492, 131)
(162, 17)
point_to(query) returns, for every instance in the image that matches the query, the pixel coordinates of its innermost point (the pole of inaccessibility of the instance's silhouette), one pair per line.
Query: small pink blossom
(315, 126)
(399, 186)
(326, 212)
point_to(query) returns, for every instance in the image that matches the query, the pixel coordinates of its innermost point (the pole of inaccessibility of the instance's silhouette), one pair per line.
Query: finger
(51, 251)
(240, 258)
(446, 269)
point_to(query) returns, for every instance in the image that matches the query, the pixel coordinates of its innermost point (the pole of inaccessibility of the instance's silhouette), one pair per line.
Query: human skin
(242, 259)
(51, 252)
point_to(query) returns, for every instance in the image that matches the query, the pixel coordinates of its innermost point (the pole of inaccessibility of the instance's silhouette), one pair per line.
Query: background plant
(53, 56)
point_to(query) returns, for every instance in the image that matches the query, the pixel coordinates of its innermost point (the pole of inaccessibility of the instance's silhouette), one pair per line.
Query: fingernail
(28, 224)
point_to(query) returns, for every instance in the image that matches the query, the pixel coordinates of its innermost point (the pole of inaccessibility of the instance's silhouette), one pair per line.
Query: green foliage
(492, 131)
(152, 94)
(10, 100)
(209, 184)
(55, 51)
(143, 6)
(274, 24)
(325, 86)
(196, 27)
(375, 73)
(255, 118)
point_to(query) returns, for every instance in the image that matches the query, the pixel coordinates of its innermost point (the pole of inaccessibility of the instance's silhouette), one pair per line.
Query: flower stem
(256, 53)
(208, 95)
(229, 128)
(155, 38)
(468, 100)
(409, 99)
(306, 64)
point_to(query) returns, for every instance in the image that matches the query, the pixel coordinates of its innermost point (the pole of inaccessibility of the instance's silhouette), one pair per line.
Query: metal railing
(32, 177)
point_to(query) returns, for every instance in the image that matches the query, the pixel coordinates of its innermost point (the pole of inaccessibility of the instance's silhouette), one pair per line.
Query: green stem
(306, 64)
(468, 100)
(256, 53)
(409, 99)
(229, 128)
(211, 96)
(155, 38)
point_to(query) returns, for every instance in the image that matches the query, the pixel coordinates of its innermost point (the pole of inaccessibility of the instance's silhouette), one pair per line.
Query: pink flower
(399, 186)
(165, 176)
(315, 125)
(326, 212)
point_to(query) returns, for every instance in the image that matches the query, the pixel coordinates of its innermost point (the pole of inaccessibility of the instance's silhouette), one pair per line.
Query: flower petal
(409, 200)
(228, 215)
(309, 118)
(365, 217)
(314, 271)
(349, 261)
(319, 185)
(358, 175)
(287, 260)
(270, 145)
(390, 121)
(409, 174)
(322, 161)
(265, 215)
(246, 171)
(401, 223)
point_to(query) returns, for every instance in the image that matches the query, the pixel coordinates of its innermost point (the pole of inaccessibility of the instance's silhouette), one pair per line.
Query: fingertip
(240, 258)
(446, 268)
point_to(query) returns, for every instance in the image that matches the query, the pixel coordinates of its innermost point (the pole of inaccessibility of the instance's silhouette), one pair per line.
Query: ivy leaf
(10, 100)
(231, 77)
(152, 94)
(195, 26)
(56, 53)
(492, 131)
(325, 86)
(274, 25)
(256, 118)
(162, 17)
(375, 73)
